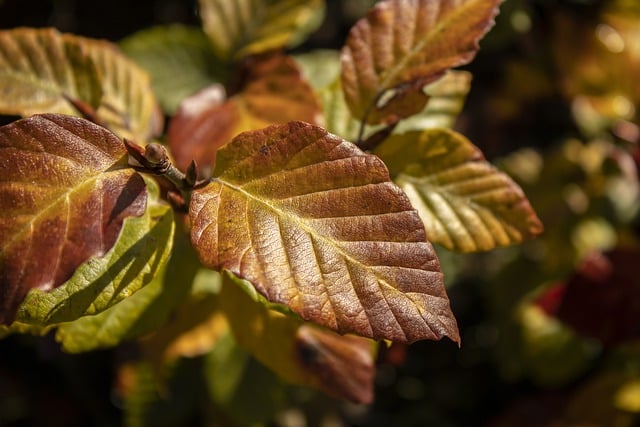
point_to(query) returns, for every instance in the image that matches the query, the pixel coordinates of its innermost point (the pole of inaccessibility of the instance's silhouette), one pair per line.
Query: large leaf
(242, 27)
(65, 189)
(402, 45)
(41, 70)
(314, 223)
(466, 204)
(273, 92)
(299, 352)
(178, 58)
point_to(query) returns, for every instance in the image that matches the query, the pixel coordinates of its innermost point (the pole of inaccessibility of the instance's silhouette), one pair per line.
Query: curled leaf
(403, 45)
(65, 189)
(466, 204)
(316, 224)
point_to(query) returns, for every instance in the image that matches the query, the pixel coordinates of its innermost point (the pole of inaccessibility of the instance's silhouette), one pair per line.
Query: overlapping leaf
(314, 223)
(41, 70)
(274, 92)
(65, 189)
(402, 45)
(341, 366)
(179, 59)
(466, 204)
(242, 27)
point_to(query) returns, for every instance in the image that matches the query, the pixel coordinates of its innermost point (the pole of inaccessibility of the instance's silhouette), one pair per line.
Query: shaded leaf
(466, 204)
(178, 58)
(243, 27)
(315, 224)
(40, 69)
(123, 101)
(300, 353)
(403, 45)
(272, 92)
(65, 188)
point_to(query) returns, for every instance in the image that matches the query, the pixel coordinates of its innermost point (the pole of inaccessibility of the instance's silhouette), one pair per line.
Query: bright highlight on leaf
(401, 46)
(65, 189)
(466, 204)
(242, 27)
(316, 224)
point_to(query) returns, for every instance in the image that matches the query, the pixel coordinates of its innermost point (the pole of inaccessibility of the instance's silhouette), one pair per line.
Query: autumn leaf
(273, 91)
(44, 71)
(466, 203)
(403, 45)
(316, 224)
(299, 352)
(243, 27)
(65, 189)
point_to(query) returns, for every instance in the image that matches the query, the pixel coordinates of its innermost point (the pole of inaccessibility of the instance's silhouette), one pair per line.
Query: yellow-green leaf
(242, 27)
(316, 224)
(466, 204)
(403, 45)
(65, 190)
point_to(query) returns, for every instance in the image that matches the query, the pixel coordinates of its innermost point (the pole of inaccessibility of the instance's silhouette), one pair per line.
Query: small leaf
(403, 45)
(466, 204)
(315, 224)
(300, 353)
(65, 189)
(273, 92)
(178, 58)
(243, 27)
(40, 69)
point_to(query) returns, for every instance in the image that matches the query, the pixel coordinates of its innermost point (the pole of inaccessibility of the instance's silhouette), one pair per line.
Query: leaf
(300, 353)
(243, 27)
(315, 224)
(178, 58)
(403, 45)
(273, 92)
(466, 204)
(39, 69)
(65, 189)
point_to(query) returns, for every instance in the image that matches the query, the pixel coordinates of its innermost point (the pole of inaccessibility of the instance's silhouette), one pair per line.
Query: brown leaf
(271, 91)
(403, 45)
(65, 189)
(316, 224)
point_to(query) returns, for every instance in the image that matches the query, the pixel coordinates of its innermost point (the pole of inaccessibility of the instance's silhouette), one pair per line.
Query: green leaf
(243, 27)
(316, 224)
(65, 189)
(300, 353)
(466, 204)
(401, 46)
(40, 69)
(179, 59)
(273, 92)
(320, 67)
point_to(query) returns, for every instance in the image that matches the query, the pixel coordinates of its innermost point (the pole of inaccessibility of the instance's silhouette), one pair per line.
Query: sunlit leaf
(466, 203)
(300, 353)
(40, 69)
(242, 27)
(316, 224)
(65, 189)
(403, 45)
(273, 92)
(178, 58)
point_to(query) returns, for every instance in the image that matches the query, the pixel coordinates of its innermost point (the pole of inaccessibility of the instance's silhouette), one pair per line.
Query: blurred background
(550, 329)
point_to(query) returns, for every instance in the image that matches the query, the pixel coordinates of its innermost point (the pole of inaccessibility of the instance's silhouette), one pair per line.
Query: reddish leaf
(272, 91)
(403, 45)
(602, 298)
(65, 189)
(316, 224)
